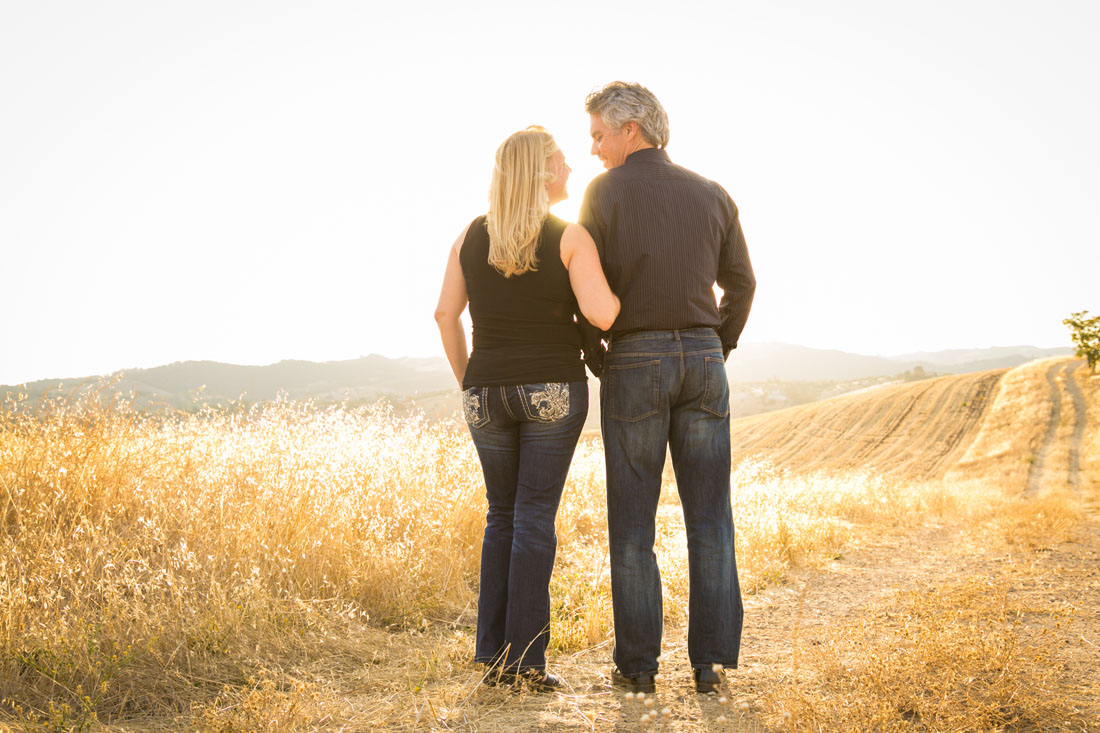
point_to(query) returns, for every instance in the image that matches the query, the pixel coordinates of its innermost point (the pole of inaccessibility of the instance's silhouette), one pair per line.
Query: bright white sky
(254, 181)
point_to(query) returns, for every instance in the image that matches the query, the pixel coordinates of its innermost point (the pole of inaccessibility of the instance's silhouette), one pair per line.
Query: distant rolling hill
(191, 384)
(758, 362)
(917, 428)
(763, 378)
(1022, 427)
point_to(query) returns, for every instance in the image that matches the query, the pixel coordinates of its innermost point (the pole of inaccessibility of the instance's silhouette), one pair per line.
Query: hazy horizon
(442, 357)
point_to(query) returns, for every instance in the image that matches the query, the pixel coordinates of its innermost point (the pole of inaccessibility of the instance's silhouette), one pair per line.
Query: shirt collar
(646, 155)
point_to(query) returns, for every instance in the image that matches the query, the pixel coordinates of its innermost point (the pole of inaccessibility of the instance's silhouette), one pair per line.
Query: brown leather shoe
(537, 679)
(634, 682)
(707, 679)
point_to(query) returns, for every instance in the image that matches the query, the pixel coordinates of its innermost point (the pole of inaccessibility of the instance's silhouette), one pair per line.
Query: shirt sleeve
(736, 279)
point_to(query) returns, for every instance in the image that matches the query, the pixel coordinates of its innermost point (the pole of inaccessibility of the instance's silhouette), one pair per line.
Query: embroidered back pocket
(475, 406)
(546, 402)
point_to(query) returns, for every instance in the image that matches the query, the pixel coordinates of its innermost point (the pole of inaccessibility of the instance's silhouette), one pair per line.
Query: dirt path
(1062, 576)
(1080, 413)
(805, 607)
(1048, 580)
(1040, 467)
(1035, 474)
(1056, 578)
(918, 430)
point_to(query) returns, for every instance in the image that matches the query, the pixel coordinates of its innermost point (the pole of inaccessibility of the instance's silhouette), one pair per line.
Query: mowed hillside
(1007, 418)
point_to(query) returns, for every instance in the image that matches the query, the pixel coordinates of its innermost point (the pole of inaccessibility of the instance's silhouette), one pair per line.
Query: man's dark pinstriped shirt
(665, 236)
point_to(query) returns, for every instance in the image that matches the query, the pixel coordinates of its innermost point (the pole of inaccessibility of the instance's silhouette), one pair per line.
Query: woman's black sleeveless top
(524, 331)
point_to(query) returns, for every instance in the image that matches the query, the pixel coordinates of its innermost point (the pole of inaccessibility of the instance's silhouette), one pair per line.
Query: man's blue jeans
(525, 437)
(669, 388)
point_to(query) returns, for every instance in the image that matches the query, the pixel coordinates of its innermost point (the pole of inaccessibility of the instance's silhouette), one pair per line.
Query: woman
(524, 273)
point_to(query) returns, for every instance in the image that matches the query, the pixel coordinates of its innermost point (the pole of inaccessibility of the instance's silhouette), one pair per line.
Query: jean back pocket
(716, 392)
(547, 402)
(475, 406)
(634, 390)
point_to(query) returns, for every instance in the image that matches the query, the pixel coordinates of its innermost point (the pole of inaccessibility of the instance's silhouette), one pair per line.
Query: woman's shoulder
(573, 233)
(480, 223)
(555, 225)
(475, 227)
(573, 237)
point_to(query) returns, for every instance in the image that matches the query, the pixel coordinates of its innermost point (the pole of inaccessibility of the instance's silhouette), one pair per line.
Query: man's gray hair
(621, 102)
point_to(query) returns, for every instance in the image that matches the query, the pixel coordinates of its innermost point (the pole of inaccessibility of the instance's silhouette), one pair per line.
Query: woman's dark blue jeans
(525, 437)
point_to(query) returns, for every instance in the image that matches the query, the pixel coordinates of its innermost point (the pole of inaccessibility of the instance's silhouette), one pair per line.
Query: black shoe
(540, 680)
(634, 682)
(707, 679)
(537, 679)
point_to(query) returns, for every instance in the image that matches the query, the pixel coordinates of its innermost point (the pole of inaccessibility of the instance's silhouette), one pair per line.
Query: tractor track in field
(1080, 417)
(916, 429)
(1040, 467)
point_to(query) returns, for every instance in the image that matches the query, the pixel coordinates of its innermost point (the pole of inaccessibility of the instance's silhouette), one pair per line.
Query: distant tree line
(1086, 336)
(915, 374)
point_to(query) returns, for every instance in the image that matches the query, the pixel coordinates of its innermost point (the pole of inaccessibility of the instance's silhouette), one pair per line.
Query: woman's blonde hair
(518, 200)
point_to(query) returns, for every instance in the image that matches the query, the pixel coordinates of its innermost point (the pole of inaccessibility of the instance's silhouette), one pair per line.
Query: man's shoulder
(606, 184)
(598, 187)
(709, 187)
(689, 175)
(625, 176)
(599, 181)
(662, 168)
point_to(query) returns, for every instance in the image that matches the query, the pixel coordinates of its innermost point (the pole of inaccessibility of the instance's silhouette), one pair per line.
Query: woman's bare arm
(578, 253)
(448, 312)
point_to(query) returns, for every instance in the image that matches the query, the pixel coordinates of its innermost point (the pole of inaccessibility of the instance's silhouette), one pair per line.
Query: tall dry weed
(159, 565)
(146, 560)
(149, 560)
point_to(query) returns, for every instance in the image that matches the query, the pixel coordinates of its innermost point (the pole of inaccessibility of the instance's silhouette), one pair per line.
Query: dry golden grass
(960, 654)
(950, 657)
(317, 568)
(977, 652)
(916, 429)
(1090, 448)
(145, 562)
(1012, 433)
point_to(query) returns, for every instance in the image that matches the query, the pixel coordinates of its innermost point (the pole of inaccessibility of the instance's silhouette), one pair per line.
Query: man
(666, 236)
